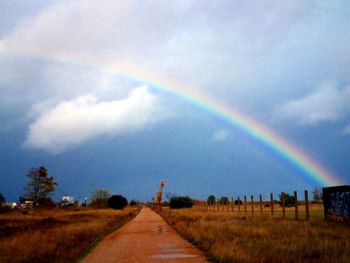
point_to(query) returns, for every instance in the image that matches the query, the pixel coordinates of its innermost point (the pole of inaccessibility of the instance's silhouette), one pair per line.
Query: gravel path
(146, 238)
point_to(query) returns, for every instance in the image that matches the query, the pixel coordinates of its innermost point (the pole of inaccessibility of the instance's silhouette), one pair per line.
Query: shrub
(2, 199)
(181, 202)
(45, 202)
(117, 202)
(133, 203)
(211, 199)
(289, 200)
(224, 200)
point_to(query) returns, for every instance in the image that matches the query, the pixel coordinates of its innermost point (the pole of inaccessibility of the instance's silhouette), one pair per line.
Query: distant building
(12, 205)
(26, 204)
(67, 200)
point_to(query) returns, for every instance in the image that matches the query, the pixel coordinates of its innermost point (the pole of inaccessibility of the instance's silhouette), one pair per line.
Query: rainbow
(233, 116)
(228, 113)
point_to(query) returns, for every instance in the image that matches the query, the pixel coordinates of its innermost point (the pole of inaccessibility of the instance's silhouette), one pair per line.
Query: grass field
(227, 236)
(56, 235)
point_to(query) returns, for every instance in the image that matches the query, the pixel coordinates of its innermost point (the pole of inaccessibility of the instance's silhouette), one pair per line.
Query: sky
(99, 92)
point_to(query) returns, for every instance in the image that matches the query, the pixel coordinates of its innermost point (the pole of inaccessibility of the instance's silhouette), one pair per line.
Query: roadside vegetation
(227, 236)
(181, 202)
(56, 234)
(36, 229)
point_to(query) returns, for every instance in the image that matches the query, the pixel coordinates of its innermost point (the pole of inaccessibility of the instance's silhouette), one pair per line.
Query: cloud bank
(240, 52)
(326, 104)
(221, 44)
(74, 121)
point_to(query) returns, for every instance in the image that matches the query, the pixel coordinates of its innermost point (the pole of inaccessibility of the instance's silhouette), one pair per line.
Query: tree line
(40, 186)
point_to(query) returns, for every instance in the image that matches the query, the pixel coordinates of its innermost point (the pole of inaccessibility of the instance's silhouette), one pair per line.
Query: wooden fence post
(296, 205)
(227, 204)
(271, 203)
(283, 205)
(245, 204)
(239, 204)
(233, 204)
(261, 205)
(252, 203)
(307, 213)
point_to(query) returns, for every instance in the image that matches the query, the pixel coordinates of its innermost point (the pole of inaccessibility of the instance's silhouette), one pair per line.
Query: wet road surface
(146, 238)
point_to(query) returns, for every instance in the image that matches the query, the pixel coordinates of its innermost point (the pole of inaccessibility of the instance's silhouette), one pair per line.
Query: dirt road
(147, 238)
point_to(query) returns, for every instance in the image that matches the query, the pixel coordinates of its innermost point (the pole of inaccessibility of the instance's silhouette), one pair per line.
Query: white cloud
(327, 104)
(208, 44)
(347, 129)
(103, 30)
(61, 52)
(220, 135)
(72, 122)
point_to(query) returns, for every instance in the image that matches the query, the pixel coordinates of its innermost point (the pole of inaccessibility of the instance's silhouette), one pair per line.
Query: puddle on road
(172, 251)
(161, 229)
(168, 245)
(172, 256)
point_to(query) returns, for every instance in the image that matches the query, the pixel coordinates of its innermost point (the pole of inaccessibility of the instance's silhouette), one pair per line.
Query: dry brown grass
(56, 235)
(232, 237)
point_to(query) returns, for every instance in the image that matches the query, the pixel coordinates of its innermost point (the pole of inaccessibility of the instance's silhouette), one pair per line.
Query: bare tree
(317, 194)
(99, 197)
(40, 185)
